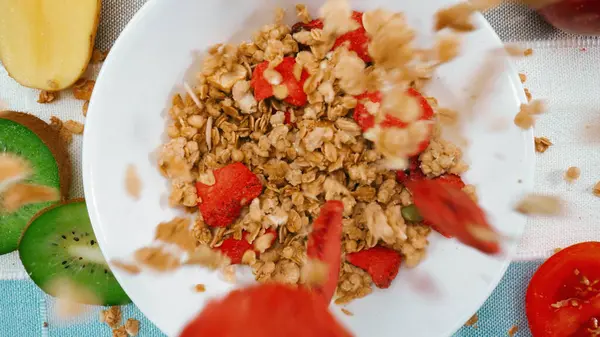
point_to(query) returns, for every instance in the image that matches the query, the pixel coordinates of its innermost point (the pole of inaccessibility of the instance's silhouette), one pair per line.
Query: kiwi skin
(45, 252)
(52, 140)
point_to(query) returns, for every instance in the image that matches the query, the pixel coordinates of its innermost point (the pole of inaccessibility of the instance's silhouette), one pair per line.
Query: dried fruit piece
(263, 88)
(235, 249)
(221, 203)
(299, 313)
(380, 262)
(413, 172)
(325, 244)
(366, 119)
(455, 213)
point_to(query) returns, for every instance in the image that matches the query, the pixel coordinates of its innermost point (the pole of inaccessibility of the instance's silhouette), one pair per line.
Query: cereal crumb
(472, 321)
(47, 96)
(120, 332)
(128, 267)
(542, 144)
(84, 108)
(596, 189)
(347, 312)
(111, 316)
(533, 204)
(572, 174)
(133, 184)
(513, 330)
(157, 258)
(200, 288)
(82, 89)
(556, 250)
(528, 52)
(522, 77)
(57, 125)
(528, 94)
(229, 274)
(456, 17)
(74, 127)
(45, 324)
(132, 326)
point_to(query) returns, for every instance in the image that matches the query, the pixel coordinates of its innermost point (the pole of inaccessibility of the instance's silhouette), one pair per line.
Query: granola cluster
(307, 155)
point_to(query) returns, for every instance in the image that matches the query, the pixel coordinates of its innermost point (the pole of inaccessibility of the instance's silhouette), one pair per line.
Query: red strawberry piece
(221, 203)
(413, 172)
(235, 249)
(325, 244)
(437, 229)
(366, 121)
(266, 310)
(452, 180)
(380, 262)
(453, 212)
(357, 39)
(263, 89)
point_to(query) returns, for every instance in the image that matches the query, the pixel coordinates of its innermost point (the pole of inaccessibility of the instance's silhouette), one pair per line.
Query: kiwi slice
(32, 139)
(59, 244)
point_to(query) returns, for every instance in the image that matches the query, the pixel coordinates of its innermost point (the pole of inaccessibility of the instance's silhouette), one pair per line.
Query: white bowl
(126, 122)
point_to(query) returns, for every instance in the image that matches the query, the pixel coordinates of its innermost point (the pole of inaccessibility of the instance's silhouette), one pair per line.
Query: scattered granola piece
(204, 256)
(176, 231)
(596, 189)
(84, 108)
(111, 316)
(528, 95)
(120, 332)
(98, 56)
(472, 321)
(542, 144)
(132, 326)
(533, 204)
(522, 77)
(228, 273)
(447, 116)
(157, 258)
(47, 96)
(347, 312)
(133, 184)
(572, 174)
(525, 119)
(528, 52)
(456, 17)
(556, 250)
(337, 18)
(447, 48)
(302, 13)
(513, 330)
(200, 288)
(13, 168)
(82, 89)
(128, 267)
(74, 127)
(18, 195)
(314, 272)
(64, 133)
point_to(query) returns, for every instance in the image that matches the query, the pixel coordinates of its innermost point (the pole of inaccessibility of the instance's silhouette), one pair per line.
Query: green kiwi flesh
(59, 243)
(19, 140)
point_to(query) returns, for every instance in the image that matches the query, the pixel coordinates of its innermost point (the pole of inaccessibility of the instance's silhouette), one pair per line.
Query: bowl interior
(126, 122)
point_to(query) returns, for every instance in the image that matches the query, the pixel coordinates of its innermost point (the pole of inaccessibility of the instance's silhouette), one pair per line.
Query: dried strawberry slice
(235, 249)
(455, 213)
(263, 89)
(221, 203)
(380, 262)
(266, 310)
(366, 121)
(325, 244)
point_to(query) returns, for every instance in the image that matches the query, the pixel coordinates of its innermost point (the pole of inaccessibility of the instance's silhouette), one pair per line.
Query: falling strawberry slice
(221, 203)
(263, 89)
(366, 120)
(380, 262)
(358, 39)
(454, 213)
(235, 249)
(266, 310)
(325, 244)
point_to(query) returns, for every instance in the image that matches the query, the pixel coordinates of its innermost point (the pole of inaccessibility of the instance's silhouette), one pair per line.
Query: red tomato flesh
(563, 297)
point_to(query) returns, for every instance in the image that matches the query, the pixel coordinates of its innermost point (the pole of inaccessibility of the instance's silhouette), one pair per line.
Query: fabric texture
(562, 71)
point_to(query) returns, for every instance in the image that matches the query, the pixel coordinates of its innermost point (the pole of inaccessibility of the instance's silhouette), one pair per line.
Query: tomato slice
(563, 297)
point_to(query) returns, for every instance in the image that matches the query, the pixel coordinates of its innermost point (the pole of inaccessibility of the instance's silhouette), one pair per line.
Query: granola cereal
(132, 327)
(65, 135)
(98, 56)
(306, 154)
(84, 108)
(120, 332)
(133, 184)
(513, 330)
(596, 189)
(473, 320)
(47, 96)
(82, 89)
(572, 174)
(200, 288)
(542, 144)
(539, 204)
(111, 316)
(74, 127)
